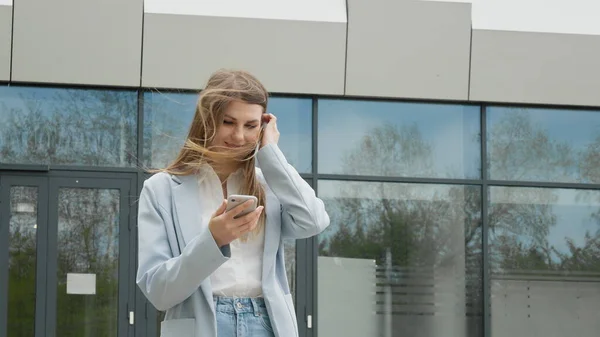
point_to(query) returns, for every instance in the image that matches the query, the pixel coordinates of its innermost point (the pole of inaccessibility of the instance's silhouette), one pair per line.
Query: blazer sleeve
(166, 280)
(303, 214)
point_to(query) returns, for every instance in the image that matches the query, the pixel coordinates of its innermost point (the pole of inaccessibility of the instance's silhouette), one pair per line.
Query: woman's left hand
(270, 132)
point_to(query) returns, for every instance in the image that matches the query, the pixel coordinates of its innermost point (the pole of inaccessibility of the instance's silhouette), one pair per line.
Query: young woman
(216, 274)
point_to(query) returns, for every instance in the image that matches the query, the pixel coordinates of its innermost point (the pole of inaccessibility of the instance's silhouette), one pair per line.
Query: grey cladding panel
(74, 41)
(5, 41)
(288, 56)
(539, 68)
(415, 49)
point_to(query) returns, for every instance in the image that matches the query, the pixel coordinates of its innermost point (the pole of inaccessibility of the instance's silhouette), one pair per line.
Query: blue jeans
(242, 317)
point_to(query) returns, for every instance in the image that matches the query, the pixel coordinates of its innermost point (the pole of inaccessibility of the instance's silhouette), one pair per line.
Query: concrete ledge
(5, 41)
(413, 49)
(541, 68)
(288, 56)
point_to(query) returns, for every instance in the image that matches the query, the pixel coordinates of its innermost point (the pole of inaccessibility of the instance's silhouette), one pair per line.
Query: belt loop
(255, 307)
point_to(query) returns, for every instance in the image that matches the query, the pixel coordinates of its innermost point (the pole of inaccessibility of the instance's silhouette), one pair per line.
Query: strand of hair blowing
(197, 151)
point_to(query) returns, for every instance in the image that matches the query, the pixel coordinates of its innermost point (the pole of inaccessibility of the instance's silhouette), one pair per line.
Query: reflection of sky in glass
(576, 128)
(451, 130)
(168, 115)
(166, 122)
(573, 210)
(68, 126)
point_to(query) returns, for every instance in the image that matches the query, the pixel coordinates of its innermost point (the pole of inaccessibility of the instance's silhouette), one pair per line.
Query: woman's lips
(232, 145)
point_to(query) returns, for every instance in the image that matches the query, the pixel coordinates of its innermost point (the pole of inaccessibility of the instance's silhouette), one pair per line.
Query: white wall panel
(414, 49)
(79, 42)
(543, 68)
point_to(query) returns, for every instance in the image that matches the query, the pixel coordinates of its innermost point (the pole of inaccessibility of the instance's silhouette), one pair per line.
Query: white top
(241, 275)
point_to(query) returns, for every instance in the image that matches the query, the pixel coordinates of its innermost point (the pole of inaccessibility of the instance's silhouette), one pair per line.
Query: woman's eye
(227, 122)
(251, 126)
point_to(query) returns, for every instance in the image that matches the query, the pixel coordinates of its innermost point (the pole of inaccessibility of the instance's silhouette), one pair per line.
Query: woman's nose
(238, 135)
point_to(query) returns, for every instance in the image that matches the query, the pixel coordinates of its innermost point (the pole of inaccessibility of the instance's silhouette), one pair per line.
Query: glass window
(68, 126)
(400, 260)
(550, 145)
(545, 261)
(399, 139)
(167, 117)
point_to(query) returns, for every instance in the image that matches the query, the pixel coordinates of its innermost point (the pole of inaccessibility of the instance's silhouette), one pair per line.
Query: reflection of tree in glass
(290, 264)
(167, 118)
(419, 224)
(521, 224)
(22, 262)
(589, 164)
(88, 243)
(73, 126)
(432, 232)
(520, 150)
(414, 220)
(391, 151)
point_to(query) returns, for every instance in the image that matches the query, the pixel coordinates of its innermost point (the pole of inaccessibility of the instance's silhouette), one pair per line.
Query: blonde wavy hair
(223, 88)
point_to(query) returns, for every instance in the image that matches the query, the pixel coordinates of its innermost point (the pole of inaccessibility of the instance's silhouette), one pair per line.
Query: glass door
(89, 250)
(67, 255)
(23, 232)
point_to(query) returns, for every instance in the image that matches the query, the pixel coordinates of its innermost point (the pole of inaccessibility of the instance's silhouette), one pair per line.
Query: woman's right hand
(225, 229)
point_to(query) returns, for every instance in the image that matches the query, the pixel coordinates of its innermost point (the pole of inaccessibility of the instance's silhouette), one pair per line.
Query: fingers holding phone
(235, 217)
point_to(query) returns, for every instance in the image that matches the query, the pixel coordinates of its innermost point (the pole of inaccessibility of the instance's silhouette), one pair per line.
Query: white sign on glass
(81, 284)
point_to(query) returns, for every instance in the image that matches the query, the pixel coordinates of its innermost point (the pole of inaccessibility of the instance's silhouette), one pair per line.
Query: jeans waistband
(254, 305)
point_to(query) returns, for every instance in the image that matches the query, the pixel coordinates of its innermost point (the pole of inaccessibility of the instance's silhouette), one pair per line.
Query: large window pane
(545, 261)
(543, 144)
(167, 117)
(399, 139)
(68, 126)
(400, 260)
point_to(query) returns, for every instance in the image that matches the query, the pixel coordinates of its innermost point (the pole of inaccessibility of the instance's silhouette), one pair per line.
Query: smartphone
(236, 200)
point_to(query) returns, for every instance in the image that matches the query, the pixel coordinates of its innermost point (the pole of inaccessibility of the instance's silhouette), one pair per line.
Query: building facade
(460, 167)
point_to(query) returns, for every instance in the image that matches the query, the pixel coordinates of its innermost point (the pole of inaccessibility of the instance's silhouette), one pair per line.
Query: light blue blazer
(170, 222)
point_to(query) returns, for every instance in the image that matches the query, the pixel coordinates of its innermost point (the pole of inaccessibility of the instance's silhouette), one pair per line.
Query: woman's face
(241, 125)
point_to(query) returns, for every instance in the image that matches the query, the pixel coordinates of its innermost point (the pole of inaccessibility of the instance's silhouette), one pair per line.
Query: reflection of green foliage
(21, 285)
(89, 315)
(419, 233)
(88, 243)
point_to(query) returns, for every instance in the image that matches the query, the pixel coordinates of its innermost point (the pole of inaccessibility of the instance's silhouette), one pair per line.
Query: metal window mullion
(486, 310)
(313, 243)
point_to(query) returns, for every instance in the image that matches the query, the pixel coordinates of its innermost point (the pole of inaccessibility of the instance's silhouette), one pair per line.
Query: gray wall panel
(287, 56)
(81, 42)
(413, 49)
(5, 41)
(520, 67)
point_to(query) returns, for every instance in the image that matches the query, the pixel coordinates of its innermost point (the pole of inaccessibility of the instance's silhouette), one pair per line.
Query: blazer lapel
(186, 201)
(190, 217)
